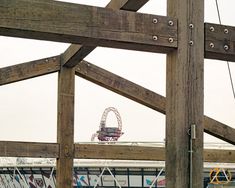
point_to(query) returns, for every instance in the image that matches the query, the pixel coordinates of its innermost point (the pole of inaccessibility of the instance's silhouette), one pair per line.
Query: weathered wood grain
(102, 151)
(130, 5)
(81, 24)
(28, 70)
(75, 53)
(121, 86)
(219, 42)
(219, 130)
(65, 127)
(28, 149)
(184, 93)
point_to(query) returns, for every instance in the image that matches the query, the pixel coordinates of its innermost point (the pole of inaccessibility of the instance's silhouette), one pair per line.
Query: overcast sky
(28, 108)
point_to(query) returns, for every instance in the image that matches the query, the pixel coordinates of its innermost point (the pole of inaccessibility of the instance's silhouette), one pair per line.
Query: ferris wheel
(108, 133)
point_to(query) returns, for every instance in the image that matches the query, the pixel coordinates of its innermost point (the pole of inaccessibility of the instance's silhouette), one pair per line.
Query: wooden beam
(219, 130)
(130, 5)
(118, 152)
(219, 42)
(75, 53)
(184, 105)
(28, 70)
(28, 149)
(145, 97)
(184, 93)
(121, 86)
(81, 24)
(95, 151)
(65, 127)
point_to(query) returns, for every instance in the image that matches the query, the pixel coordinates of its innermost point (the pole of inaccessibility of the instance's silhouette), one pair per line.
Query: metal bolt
(155, 20)
(171, 40)
(155, 37)
(190, 42)
(226, 47)
(212, 45)
(171, 23)
(226, 31)
(191, 26)
(212, 29)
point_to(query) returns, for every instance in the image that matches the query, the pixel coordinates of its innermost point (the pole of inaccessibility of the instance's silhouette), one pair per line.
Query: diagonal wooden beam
(75, 52)
(144, 96)
(121, 86)
(29, 70)
(219, 130)
(28, 149)
(130, 5)
(81, 24)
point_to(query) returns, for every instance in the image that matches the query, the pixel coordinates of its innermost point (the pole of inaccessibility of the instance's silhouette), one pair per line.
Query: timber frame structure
(182, 35)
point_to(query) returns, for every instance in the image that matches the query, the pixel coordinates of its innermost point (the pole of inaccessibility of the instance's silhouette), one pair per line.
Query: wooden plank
(81, 24)
(219, 156)
(28, 149)
(65, 127)
(219, 130)
(94, 151)
(121, 86)
(75, 53)
(119, 152)
(219, 42)
(145, 97)
(130, 5)
(184, 93)
(28, 70)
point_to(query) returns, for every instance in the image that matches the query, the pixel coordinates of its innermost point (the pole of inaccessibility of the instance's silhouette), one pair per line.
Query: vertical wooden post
(184, 93)
(65, 129)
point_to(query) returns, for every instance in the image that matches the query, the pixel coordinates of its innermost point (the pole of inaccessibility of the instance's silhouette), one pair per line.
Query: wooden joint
(219, 42)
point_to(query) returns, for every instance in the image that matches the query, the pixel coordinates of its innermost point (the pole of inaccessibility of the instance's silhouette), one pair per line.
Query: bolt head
(155, 37)
(226, 31)
(212, 29)
(155, 20)
(171, 23)
(212, 45)
(191, 26)
(226, 47)
(171, 40)
(191, 42)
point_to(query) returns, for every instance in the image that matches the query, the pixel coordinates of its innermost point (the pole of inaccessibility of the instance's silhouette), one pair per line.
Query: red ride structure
(108, 133)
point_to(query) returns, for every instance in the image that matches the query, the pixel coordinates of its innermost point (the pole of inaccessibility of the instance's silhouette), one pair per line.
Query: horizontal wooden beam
(146, 97)
(29, 70)
(75, 52)
(81, 24)
(219, 42)
(118, 152)
(101, 151)
(28, 149)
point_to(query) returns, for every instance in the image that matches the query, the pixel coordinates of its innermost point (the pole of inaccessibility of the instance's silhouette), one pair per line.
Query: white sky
(28, 108)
